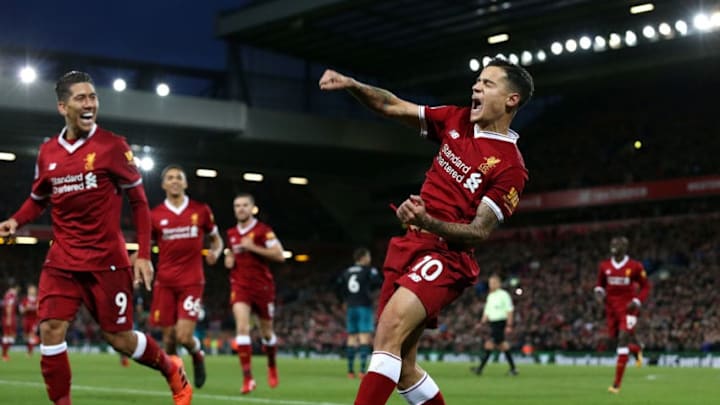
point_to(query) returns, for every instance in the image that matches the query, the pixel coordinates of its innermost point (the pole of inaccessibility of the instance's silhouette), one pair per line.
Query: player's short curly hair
(520, 79)
(62, 86)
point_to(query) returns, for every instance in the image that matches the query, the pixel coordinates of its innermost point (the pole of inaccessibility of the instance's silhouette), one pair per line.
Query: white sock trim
(141, 345)
(243, 340)
(623, 350)
(386, 364)
(421, 392)
(53, 350)
(197, 346)
(271, 342)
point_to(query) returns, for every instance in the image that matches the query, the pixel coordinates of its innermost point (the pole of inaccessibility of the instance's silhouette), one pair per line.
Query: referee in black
(499, 312)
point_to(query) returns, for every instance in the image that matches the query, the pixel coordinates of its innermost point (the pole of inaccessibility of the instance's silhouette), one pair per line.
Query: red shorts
(30, 326)
(620, 319)
(423, 263)
(172, 303)
(106, 294)
(261, 302)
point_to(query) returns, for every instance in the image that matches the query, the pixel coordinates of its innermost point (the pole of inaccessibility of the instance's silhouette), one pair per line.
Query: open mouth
(87, 118)
(476, 105)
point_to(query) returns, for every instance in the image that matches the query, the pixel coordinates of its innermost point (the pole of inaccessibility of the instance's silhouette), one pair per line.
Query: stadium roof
(426, 45)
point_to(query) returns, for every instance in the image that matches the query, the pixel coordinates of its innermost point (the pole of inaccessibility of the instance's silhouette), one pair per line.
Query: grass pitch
(99, 379)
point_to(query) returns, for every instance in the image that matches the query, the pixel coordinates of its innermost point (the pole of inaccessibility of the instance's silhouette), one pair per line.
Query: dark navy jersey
(356, 283)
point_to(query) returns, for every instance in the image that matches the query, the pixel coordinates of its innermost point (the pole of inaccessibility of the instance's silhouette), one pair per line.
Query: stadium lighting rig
(27, 74)
(700, 23)
(119, 85)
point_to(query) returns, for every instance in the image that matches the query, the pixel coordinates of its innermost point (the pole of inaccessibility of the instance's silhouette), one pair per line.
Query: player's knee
(185, 338)
(121, 341)
(52, 331)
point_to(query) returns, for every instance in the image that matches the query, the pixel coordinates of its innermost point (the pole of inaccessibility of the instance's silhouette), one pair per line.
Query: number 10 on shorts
(427, 269)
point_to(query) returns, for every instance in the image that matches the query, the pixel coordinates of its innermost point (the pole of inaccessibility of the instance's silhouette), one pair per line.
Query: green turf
(99, 379)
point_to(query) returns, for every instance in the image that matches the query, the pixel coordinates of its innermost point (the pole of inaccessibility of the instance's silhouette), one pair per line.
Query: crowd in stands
(551, 277)
(549, 272)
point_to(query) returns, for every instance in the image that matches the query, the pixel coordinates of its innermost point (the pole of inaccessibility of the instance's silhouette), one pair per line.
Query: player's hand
(8, 227)
(600, 297)
(211, 258)
(144, 271)
(633, 306)
(412, 211)
(332, 80)
(229, 258)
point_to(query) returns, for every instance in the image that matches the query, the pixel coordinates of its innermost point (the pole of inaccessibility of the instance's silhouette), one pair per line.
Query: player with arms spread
(179, 226)
(251, 245)
(622, 283)
(473, 184)
(29, 312)
(82, 173)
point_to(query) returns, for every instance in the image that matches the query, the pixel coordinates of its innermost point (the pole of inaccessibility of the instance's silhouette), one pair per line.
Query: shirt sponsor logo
(74, 182)
(452, 164)
(618, 280)
(180, 232)
(473, 182)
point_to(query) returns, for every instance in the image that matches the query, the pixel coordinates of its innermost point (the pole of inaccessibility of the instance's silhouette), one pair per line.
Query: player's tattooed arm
(376, 99)
(413, 212)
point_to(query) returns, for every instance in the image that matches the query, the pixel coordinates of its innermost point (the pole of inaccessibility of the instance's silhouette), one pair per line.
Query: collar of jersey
(621, 263)
(80, 142)
(511, 136)
(181, 208)
(247, 228)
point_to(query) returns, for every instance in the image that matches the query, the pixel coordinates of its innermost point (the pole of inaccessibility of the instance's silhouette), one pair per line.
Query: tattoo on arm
(469, 234)
(375, 98)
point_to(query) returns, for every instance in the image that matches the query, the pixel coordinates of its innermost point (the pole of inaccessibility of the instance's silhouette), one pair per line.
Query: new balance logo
(90, 181)
(454, 134)
(121, 320)
(473, 182)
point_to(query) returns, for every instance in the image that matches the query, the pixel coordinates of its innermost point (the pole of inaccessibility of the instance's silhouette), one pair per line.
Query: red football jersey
(251, 270)
(180, 235)
(84, 182)
(472, 166)
(29, 307)
(622, 281)
(9, 301)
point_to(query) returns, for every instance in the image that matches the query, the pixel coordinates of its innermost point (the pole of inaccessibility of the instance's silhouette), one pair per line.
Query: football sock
(148, 353)
(380, 380)
(424, 391)
(55, 367)
(622, 360)
(510, 361)
(270, 347)
(244, 354)
(350, 353)
(364, 352)
(486, 357)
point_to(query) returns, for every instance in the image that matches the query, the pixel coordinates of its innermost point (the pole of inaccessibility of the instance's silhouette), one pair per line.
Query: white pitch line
(256, 400)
